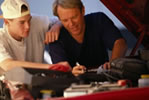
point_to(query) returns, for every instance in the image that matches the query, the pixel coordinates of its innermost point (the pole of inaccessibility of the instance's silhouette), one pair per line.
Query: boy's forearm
(10, 63)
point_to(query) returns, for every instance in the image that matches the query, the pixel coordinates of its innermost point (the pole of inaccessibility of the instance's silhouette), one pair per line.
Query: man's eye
(64, 20)
(74, 17)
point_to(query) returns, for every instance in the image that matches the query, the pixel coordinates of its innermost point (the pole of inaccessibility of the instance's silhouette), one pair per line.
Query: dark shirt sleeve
(57, 52)
(110, 32)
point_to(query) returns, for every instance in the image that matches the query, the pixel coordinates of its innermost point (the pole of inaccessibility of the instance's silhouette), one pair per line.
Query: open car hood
(134, 14)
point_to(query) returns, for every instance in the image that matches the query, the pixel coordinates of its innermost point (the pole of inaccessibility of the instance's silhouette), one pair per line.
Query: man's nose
(71, 23)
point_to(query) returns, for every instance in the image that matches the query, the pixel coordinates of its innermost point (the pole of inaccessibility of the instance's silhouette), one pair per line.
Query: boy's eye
(22, 22)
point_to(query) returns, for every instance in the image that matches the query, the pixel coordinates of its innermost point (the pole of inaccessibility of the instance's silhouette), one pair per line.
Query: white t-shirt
(29, 49)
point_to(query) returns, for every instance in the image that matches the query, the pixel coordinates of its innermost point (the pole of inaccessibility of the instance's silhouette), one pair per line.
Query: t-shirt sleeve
(46, 23)
(57, 52)
(40, 24)
(3, 52)
(110, 32)
(43, 22)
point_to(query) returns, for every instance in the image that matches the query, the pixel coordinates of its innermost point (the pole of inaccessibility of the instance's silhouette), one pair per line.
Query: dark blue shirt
(100, 35)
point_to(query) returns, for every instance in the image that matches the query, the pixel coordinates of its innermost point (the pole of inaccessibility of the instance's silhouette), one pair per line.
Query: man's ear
(83, 10)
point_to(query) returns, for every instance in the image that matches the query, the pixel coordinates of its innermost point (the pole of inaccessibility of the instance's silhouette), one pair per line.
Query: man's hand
(119, 50)
(78, 70)
(53, 33)
(106, 65)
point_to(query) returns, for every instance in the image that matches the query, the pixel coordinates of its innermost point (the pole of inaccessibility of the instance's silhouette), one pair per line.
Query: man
(22, 37)
(85, 39)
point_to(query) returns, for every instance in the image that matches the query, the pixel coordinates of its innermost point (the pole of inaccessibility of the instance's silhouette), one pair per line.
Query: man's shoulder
(63, 32)
(95, 17)
(64, 35)
(94, 14)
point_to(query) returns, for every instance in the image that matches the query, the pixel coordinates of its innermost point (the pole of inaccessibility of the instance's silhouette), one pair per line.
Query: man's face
(72, 19)
(19, 27)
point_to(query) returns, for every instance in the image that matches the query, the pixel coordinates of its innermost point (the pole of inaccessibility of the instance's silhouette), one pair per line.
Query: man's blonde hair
(67, 4)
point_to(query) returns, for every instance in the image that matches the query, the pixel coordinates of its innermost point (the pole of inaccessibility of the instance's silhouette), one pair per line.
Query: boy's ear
(6, 21)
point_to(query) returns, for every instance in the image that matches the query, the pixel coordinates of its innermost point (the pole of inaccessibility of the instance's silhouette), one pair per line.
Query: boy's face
(19, 27)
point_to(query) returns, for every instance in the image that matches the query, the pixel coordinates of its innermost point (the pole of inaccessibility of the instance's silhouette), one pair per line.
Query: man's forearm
(119, 49)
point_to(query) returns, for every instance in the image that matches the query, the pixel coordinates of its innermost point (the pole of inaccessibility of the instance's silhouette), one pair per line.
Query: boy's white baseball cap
(12, 8)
